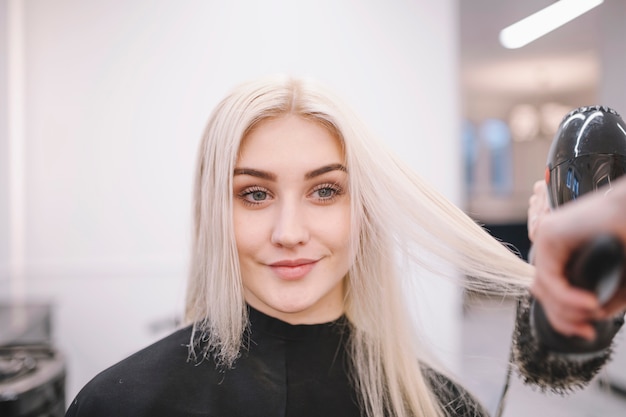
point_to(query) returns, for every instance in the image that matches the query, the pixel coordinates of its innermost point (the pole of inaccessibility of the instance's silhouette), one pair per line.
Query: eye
(254, 195)
(258, 195)
(326, 192)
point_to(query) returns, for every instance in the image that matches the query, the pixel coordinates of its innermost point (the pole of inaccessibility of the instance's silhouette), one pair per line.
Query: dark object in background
(32, 372)
(513, 234)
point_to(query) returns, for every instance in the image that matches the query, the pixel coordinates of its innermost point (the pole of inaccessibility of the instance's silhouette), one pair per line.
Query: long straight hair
(393, 212)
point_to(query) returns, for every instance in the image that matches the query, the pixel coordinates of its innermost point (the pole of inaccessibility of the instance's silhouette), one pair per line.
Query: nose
(290, 226)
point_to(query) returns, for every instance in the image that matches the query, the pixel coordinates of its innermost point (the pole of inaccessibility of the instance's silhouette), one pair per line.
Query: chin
(295, 307)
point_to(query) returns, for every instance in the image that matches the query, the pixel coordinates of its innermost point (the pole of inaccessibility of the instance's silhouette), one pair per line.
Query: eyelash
(336, 190)
(249, 191)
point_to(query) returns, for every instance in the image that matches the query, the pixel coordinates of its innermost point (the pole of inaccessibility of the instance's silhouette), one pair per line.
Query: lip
(293, 269)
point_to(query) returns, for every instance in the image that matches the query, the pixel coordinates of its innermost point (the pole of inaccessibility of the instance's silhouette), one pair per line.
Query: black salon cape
(286, 370)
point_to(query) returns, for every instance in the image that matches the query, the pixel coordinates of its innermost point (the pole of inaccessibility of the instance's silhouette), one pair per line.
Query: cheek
(335, 227)
(248, 231)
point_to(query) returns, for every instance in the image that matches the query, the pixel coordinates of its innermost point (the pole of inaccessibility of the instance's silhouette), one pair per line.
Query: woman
(303, 222)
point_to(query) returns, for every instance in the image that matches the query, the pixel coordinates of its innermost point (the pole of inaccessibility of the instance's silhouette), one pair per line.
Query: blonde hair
(393, 211)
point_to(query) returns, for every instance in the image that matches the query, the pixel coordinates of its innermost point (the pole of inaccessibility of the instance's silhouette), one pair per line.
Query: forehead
(292, 139)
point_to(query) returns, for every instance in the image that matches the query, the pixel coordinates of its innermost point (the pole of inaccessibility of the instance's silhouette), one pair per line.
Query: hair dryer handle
(597, 267)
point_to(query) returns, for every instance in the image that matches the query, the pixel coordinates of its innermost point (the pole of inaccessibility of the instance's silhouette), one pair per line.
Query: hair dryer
(587, 154)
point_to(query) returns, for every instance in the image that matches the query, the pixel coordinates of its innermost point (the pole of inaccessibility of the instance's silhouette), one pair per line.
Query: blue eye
(254, 196)
(258, 195)
(326, 192)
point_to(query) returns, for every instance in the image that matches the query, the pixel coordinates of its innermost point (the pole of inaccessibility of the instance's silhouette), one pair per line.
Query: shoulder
(168, 352)
(126, 385)
(455, 400)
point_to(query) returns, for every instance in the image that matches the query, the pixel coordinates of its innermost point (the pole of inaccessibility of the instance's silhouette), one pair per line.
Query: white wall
(613, 60)
(4, 154)
(613, 94)
(116, 96)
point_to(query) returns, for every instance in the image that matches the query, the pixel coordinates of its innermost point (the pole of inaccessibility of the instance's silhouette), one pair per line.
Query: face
(292, 220)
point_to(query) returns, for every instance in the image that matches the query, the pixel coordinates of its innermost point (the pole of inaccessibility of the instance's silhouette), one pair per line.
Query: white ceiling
(561, 66)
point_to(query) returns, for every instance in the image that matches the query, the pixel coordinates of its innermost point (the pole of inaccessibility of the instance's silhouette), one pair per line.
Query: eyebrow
(255, 173)
(324, 169)
(271, 177)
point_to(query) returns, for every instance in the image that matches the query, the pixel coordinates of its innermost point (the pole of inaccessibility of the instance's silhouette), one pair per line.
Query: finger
(556, 290)
(569, 309)
(538, 207)
(540, 192)
(532, 220)
(570, 328)
(570, 313)
(533, 216)
(569, 320)
(565, 326)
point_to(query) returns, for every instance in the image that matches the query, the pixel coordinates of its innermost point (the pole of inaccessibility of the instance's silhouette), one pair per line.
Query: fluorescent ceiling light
(544, 21)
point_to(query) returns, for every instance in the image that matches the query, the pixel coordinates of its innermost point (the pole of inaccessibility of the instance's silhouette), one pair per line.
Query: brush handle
(597, 267)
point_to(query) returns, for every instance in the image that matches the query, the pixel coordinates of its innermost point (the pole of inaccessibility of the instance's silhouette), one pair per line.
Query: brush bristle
(551, 371)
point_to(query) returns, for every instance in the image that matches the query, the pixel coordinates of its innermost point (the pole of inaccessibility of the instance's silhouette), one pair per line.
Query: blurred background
(102, 105)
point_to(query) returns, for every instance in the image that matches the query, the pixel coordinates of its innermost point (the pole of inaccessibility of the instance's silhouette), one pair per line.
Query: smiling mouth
(293, 270)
